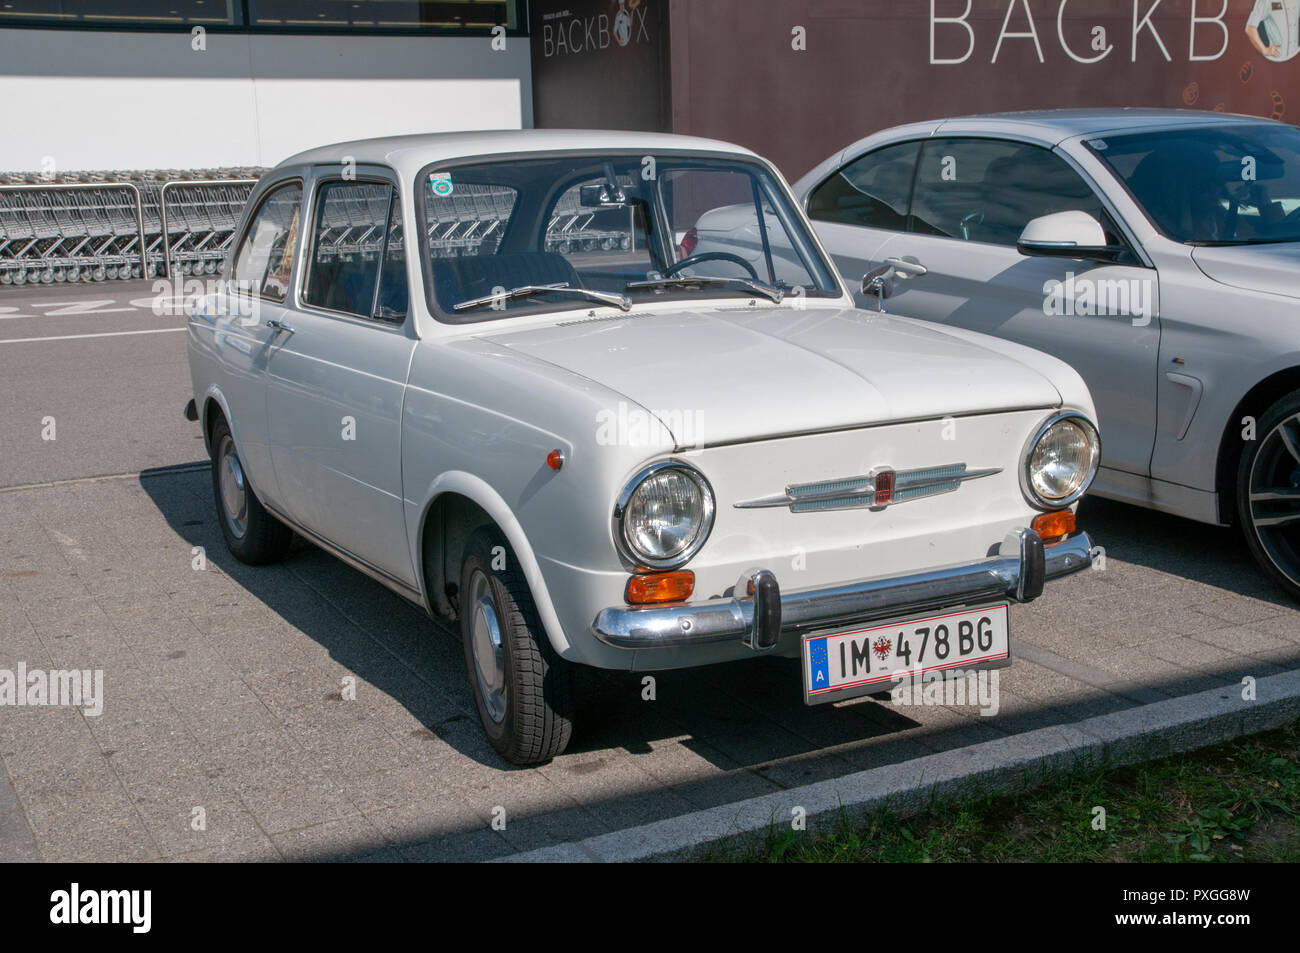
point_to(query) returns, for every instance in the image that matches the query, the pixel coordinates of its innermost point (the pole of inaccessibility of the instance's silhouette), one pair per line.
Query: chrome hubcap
(234, 490)
(489, 653)
(1275, 497)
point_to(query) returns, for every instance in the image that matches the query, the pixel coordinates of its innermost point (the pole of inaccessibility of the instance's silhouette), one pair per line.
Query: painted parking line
(101, 334)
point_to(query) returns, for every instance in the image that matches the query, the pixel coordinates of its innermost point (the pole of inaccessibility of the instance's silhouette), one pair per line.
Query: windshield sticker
(441, 183)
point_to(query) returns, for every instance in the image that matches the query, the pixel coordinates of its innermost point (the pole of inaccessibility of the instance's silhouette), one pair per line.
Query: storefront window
(366, 16)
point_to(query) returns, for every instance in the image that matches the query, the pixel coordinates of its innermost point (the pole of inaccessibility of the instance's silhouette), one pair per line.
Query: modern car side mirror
(1067, 235)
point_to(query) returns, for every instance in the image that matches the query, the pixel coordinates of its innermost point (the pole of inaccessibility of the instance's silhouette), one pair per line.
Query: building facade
(188, 84)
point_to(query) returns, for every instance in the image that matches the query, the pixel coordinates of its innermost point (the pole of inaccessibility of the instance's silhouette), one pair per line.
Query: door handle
(907, 266)
(279, 326)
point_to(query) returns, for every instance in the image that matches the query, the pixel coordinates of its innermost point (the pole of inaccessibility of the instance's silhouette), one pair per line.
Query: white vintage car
(556, 425)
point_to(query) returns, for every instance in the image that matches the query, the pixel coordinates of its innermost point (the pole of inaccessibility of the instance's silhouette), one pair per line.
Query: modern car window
(265, 259)
(351, 241)
(987, 190)
(872, 191)
(594, 226)
(1235, 184)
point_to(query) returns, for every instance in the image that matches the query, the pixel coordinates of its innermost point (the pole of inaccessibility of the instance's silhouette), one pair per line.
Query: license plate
(840, 665)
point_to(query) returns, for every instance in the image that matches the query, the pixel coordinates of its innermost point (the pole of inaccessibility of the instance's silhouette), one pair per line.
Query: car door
(861, 206)
(970, 200)
(255, 293)
(338, 374)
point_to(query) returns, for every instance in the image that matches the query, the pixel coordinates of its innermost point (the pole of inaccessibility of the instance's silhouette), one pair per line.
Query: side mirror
(1067, 235)
(878, 283)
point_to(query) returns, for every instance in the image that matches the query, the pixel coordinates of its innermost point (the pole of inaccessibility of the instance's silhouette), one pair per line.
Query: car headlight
(664, 515)
(1061, 461)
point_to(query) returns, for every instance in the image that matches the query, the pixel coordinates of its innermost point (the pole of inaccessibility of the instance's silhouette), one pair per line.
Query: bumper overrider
(759, 612)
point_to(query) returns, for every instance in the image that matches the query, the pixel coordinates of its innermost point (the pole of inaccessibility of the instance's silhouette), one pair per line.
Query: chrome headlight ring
(619, 524)
(1089, 430)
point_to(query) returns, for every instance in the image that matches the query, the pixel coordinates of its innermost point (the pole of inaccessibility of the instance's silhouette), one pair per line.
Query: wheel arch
(456, 504)
(214, 406)
(1252, 404)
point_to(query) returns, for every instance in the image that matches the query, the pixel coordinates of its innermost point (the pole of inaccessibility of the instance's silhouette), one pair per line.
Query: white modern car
(1157, 251)
(544, 422)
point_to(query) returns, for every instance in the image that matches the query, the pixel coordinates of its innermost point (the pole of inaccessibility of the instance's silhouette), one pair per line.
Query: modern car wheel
(252, 534)
(521, 687)
(1268, 492)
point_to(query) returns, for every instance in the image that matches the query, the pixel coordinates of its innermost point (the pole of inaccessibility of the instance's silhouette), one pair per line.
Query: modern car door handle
(907, 266)
(279, 326)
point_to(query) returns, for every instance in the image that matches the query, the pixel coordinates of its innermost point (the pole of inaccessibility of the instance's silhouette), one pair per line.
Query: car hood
(1269, 268)
(739, 375)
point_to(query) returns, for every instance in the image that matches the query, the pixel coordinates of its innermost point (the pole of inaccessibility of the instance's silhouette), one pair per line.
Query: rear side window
(872, 191)
(265, 259)
(988, 190)
(358, 261)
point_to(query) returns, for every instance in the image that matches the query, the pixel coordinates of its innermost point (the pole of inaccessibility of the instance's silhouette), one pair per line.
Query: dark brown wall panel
(868, 65)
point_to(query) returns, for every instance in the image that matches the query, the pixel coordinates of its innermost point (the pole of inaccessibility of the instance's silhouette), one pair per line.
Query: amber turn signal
(660, 587)
(1054, 526)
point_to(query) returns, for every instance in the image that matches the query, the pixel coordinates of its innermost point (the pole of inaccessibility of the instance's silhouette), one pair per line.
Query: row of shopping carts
(111, 225)
(114, 225)
(472, 219)
(574, 227)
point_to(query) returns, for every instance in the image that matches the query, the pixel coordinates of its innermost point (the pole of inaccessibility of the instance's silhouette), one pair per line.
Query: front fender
(485, 496)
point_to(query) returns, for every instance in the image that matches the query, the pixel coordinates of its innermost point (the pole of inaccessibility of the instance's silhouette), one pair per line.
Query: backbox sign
(600, 63)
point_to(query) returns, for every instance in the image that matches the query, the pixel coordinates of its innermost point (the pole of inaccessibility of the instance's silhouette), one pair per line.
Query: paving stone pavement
(227, 690)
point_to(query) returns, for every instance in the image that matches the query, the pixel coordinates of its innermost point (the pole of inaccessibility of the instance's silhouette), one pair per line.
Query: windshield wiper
(527, 291)
(684, 281)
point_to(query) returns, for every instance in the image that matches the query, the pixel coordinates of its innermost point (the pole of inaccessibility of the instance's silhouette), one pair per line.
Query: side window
(872, 191)
(394, 292)
(987, 190)
(265, 259)
(358, 262)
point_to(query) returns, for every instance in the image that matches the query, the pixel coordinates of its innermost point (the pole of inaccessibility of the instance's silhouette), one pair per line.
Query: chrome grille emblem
(880, 488)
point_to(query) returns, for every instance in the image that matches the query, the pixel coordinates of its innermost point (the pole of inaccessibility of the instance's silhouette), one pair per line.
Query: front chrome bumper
(759, 613)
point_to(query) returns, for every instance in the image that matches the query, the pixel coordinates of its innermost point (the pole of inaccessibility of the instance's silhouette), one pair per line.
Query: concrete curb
(1001, 766)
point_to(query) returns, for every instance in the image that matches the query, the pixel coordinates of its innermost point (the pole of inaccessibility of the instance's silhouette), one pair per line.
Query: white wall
(98, 100)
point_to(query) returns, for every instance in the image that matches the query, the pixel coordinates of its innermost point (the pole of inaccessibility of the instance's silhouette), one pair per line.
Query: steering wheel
(710, 256)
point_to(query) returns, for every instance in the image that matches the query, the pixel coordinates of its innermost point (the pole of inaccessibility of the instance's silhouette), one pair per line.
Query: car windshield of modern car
(559, 232)
(1214, 185)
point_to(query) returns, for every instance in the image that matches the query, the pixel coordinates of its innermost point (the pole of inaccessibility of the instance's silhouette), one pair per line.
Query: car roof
(1057, 125)
(414, 152)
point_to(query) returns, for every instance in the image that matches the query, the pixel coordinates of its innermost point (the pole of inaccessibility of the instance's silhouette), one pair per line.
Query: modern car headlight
(664, 515)
(1061, 461)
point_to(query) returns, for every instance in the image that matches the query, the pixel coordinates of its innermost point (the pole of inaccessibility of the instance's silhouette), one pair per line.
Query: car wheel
(252, 534)
(521, 687)
(1268, 492)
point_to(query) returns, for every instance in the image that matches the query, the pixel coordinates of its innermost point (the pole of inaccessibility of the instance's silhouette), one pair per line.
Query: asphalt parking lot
(229, 728)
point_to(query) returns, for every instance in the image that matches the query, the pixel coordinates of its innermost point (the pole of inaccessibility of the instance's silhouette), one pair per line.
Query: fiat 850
(554, 423)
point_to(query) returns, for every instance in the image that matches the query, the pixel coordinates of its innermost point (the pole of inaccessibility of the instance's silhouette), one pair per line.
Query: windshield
(583, 231)
(1218, 185)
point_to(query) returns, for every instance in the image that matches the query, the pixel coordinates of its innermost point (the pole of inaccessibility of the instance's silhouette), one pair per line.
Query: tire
(1268, 493)
(252, 534)
(523, 690)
